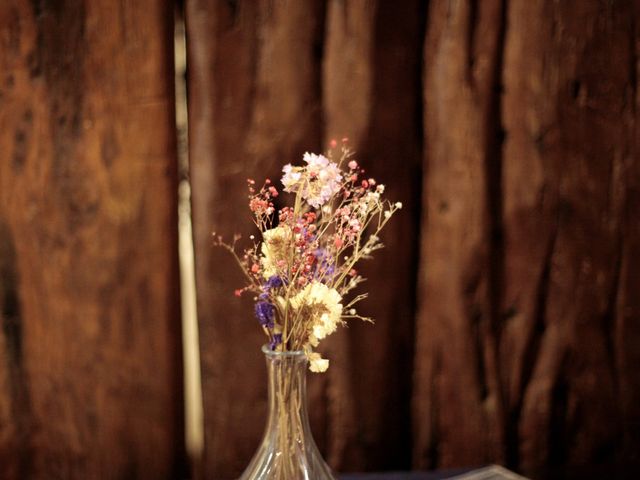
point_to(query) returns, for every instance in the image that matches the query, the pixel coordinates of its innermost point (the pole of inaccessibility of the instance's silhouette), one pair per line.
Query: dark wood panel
(569, 175)
(90, 372)
(519, 119)
(371, 94)
(457, 402)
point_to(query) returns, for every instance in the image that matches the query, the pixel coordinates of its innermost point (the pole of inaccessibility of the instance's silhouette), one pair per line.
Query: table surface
(492, 472)
(403, 475)
(586, 472)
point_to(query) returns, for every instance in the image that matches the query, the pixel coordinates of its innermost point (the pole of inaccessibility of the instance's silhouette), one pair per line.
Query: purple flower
(274, 282)
(325, 267)
(265, 313)
(277, 340)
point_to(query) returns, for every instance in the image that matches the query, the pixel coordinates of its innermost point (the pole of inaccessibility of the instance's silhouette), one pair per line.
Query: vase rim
(266, 349)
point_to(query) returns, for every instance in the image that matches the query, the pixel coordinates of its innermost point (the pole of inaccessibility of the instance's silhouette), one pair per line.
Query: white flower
(319, 180)
(387, 214)
(317, 363)
(317, 293)
(326, 326)
(315, 162)
(323, 305)
(274, 248)
(398, 205)
(380, 188)
(291, 178)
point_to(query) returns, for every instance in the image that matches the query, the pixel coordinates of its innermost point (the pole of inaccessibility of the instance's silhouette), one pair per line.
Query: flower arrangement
(305, 265)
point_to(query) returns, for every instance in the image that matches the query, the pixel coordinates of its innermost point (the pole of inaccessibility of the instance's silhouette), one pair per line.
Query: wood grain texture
(371, 94)
(254, 105)
(516, 122)
(90, 371)
(457, 403)
(527, 319)
(569, 170)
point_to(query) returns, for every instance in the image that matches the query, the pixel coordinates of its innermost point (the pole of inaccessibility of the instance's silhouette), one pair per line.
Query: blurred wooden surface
(89, 346)
(457, 407)
(520, 117)
(507, 302)
(254, 102)
(378, 112)
(529, 320)
(569, 317)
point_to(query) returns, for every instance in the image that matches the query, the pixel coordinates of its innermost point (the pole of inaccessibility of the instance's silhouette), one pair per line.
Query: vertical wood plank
(254, 105)
(371, 94)
(90, 376)
(627, 302)
(457, 402)
(570, 175)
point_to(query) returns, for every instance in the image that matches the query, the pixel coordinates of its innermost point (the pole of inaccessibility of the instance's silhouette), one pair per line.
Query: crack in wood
(433, 455)
(634, 38)
(11, 317)
(558, 431)
(610, 316)
(472, 20)
(533, 340)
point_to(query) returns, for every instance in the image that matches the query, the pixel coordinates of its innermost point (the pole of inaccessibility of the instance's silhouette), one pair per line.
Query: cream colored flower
(274, 248)
(317, 363)
(326, 326)
(323, 307)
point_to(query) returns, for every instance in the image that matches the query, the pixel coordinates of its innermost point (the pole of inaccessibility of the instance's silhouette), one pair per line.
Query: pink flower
(324, 179)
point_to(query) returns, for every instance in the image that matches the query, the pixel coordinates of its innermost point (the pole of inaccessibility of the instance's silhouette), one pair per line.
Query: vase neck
(287, 373)
(287, 450)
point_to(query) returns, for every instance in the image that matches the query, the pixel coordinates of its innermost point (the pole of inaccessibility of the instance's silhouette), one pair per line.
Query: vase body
(287, 450)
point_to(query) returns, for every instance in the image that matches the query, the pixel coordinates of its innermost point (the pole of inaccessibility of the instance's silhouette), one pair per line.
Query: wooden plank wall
(509, 130)
(507, 302)
(90, 367)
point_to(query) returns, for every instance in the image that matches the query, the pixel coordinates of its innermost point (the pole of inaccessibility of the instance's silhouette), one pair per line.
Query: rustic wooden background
(507, 301)
(90, 372)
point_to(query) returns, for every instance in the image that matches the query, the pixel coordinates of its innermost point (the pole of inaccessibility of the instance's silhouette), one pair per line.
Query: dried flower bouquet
(304, 266)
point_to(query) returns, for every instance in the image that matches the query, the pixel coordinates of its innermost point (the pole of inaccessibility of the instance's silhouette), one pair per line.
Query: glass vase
(287, 450)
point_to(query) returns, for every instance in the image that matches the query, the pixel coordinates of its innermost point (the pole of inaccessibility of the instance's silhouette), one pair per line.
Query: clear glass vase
(287, 450)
